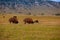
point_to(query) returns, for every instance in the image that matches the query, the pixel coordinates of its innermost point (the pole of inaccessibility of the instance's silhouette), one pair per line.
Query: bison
(28, 20)
(13, 20)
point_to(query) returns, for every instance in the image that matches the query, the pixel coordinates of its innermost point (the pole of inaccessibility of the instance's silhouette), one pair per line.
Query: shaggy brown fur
(13, 20)
(28, 20)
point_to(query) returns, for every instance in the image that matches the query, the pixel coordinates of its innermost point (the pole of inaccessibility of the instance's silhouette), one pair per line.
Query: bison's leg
(32, 22)
(16, 22)
(29, 22)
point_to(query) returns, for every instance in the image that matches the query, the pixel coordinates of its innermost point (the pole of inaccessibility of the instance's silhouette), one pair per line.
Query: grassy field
(48, 28)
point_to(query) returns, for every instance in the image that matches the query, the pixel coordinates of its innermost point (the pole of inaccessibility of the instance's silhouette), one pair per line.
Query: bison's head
(36, 21)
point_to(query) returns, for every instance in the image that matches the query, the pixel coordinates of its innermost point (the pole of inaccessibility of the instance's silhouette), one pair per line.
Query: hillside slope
(26, 6)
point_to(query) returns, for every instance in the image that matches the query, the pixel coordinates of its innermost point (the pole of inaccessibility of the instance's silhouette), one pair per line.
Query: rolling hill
(30, 6)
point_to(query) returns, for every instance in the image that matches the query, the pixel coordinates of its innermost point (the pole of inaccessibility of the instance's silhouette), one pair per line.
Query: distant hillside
(30, 6)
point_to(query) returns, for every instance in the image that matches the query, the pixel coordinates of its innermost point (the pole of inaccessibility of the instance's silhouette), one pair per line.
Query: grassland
(48, 28)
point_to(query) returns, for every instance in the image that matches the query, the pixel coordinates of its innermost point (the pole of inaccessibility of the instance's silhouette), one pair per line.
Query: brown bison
(30, 21)
(13, 20)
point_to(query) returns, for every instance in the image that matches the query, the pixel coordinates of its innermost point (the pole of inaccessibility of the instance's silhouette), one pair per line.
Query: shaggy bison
(28, 20)
(13, 20)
